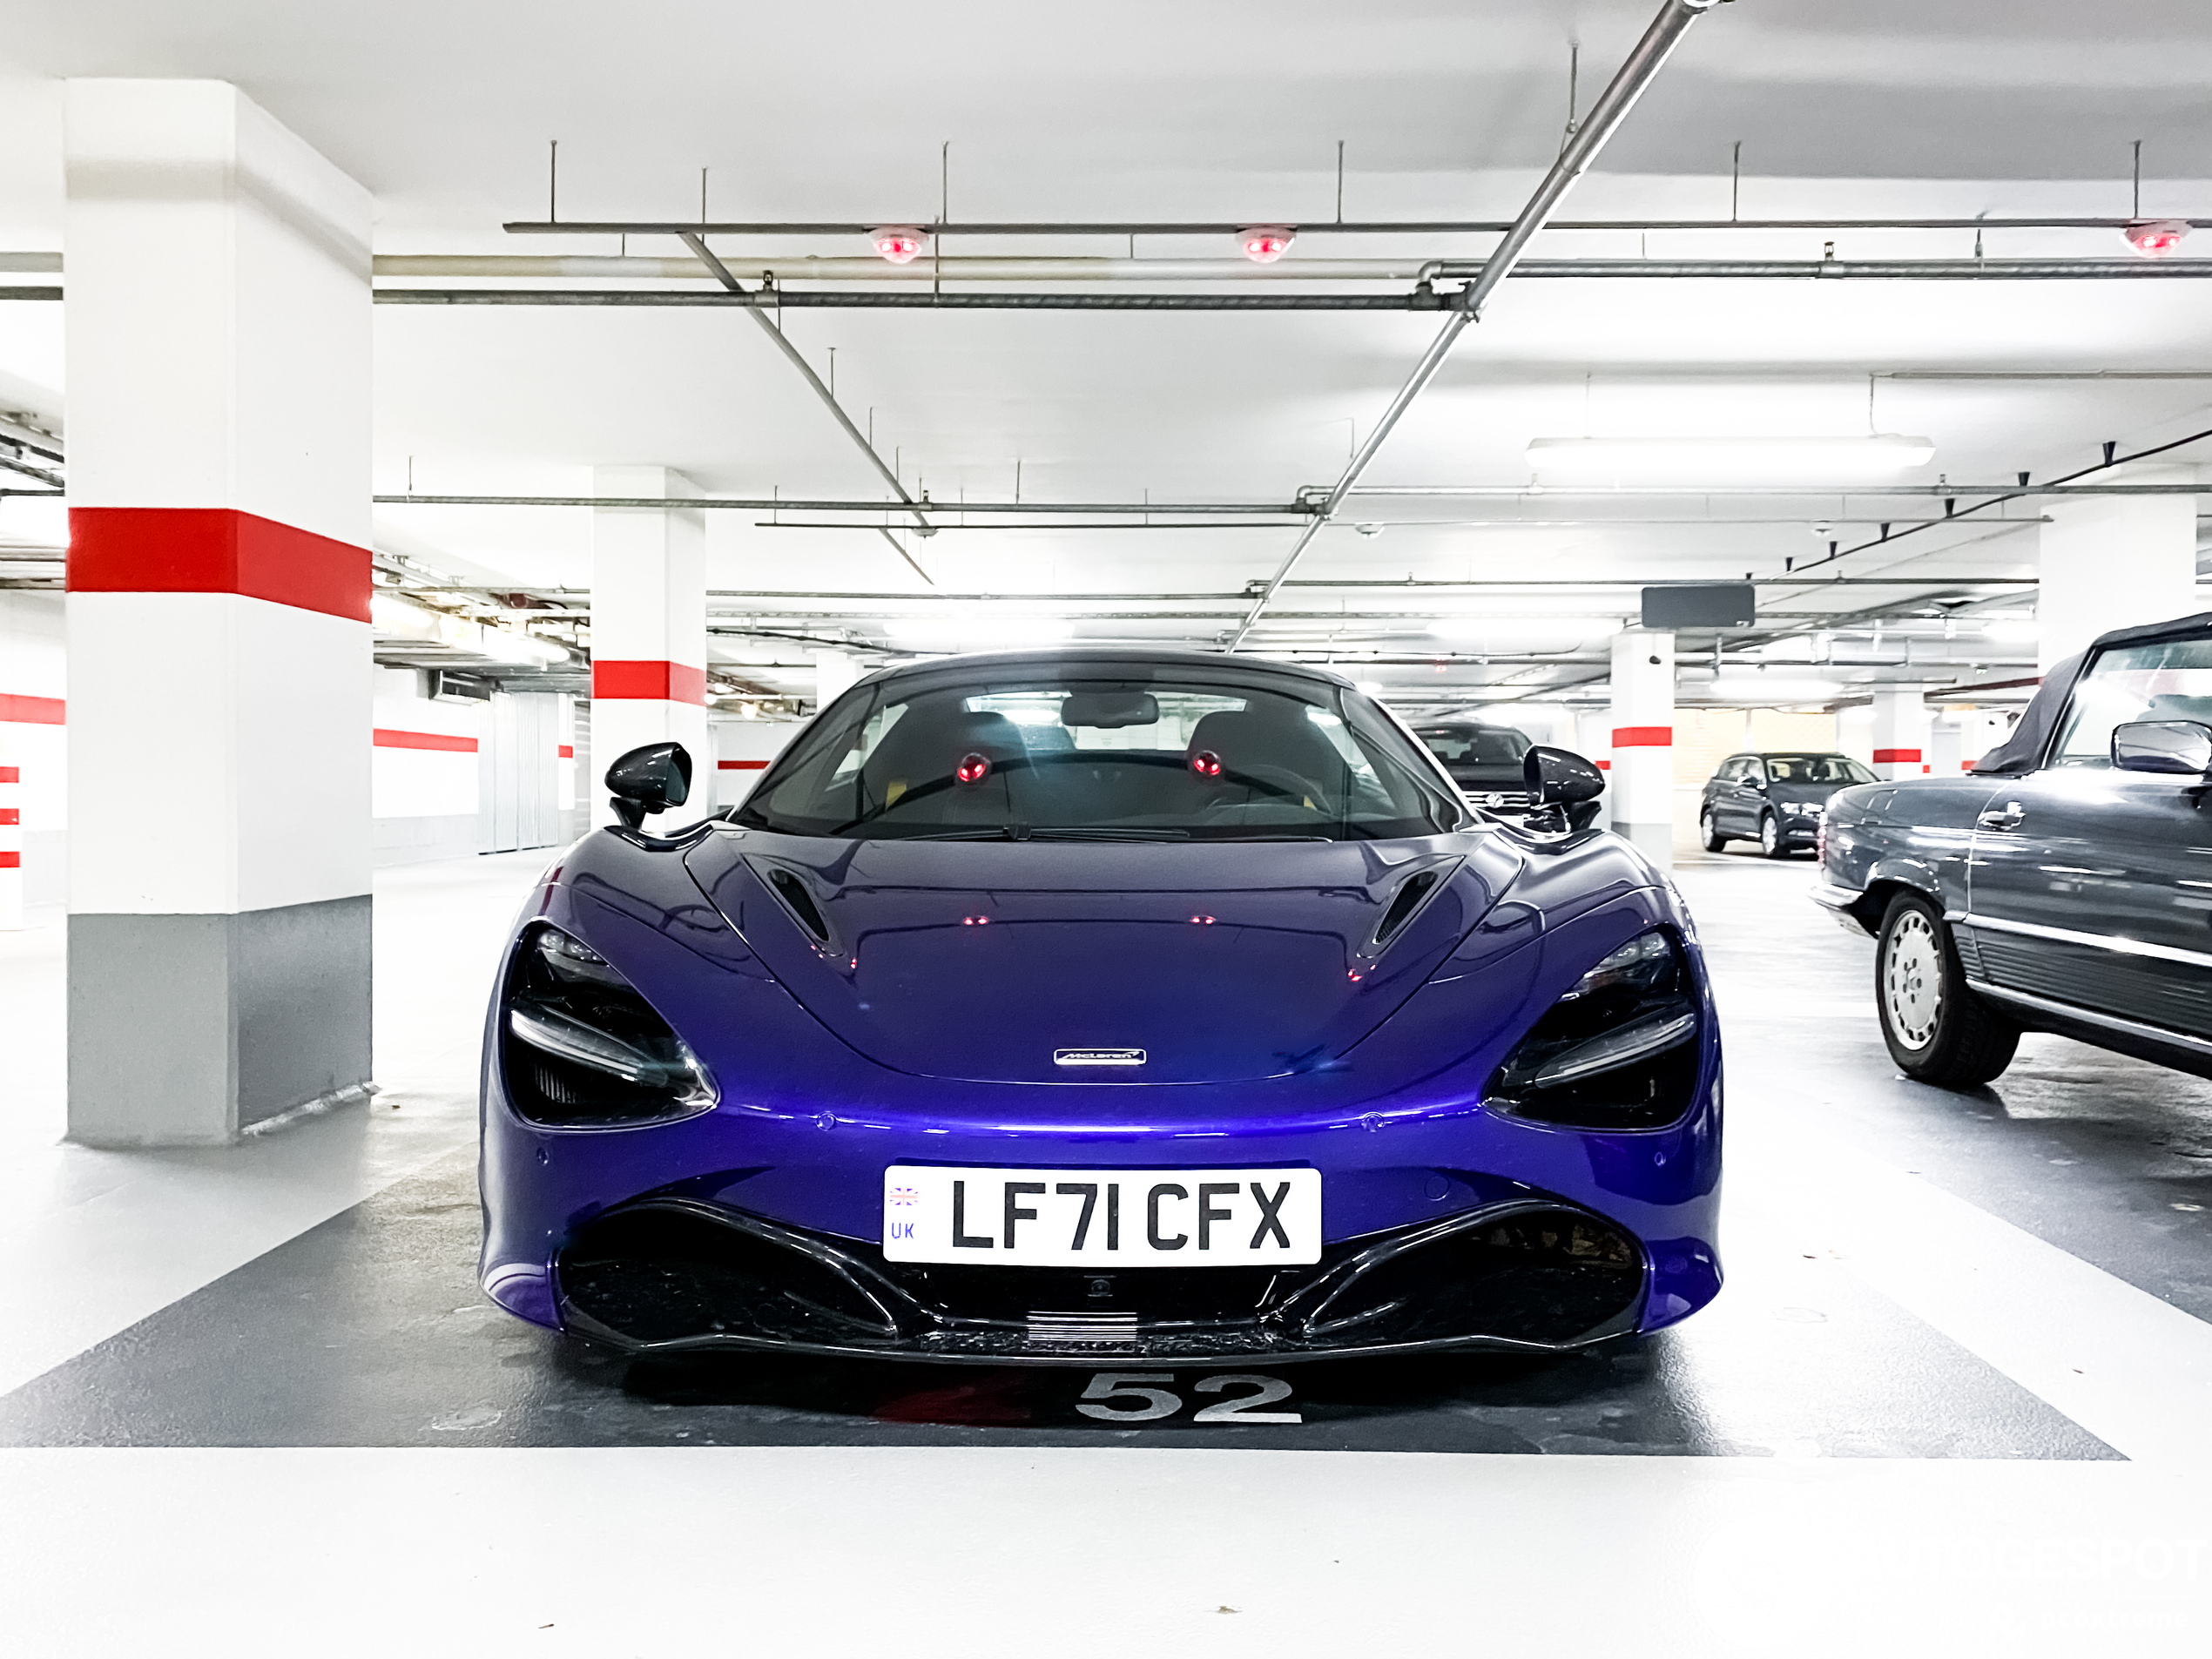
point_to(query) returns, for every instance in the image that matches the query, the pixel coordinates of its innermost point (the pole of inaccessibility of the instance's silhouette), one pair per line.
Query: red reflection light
(1202, 921)
(1352, 974)
(2155, 237)
(975, 921)
(971, 768)
(1265, 243)
(1206, 764)
(900, 244)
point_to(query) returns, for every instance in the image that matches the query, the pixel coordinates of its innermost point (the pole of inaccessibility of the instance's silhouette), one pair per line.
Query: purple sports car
(1061, 1006)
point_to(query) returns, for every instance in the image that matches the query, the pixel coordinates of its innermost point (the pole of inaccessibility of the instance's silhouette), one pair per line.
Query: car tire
(1937, 1030)
(1772, 843)
(1710, 831)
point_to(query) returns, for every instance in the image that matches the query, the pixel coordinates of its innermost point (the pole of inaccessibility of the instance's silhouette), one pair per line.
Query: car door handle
(2006, 818)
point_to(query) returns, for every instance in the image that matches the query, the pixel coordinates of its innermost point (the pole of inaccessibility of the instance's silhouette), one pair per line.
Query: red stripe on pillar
(657, 682)
(33, 711)
(1896, 757)
(742, 765)
(10, 861)
(10, 815)
(1605, 765)
(568, 751)
(1643, 737)
(10, 775)
(215, 550)
(386, 738)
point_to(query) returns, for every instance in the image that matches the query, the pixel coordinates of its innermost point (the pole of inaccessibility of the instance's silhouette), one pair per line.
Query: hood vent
(1405, 905)
(800, 903)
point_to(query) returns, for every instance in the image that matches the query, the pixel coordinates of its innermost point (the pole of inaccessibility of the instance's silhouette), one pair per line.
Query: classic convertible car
(2064, 885)
(1053, 1007)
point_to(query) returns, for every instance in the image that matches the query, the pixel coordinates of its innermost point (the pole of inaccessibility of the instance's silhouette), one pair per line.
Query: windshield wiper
(1001, 833)
(1105, 832)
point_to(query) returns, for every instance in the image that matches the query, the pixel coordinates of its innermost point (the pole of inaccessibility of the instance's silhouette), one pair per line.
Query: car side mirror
(2179, 747)
(1560, 777)
(650, 779)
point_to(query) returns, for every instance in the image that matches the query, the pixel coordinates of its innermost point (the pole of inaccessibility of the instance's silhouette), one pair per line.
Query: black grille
(681, 1274)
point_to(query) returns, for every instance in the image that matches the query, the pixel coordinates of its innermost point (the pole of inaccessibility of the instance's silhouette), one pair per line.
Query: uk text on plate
(1102, 1217)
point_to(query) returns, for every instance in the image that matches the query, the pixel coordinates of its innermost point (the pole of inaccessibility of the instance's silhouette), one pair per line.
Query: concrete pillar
(1593, 742)
(1643, 741)
(1901, 733)
(648, 633)
(834, 670)
(10, 835)
(218, 323)
(1947, 755)
(2115, 561)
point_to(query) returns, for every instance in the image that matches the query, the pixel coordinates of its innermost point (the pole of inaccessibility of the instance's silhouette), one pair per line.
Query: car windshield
(1816, 769)
(1102, 754)
(1481, 745)
(2169, 681)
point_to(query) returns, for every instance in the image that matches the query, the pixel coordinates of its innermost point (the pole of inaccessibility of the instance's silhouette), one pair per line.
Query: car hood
(989, 961)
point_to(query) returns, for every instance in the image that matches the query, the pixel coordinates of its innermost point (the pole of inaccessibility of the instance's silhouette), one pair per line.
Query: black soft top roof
(2023, 750)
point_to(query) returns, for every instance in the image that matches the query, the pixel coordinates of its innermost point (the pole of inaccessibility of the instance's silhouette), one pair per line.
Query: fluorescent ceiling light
(1512, 630)
(980, 633)
(1763, 690)
(1727, 461)
(2012, 630)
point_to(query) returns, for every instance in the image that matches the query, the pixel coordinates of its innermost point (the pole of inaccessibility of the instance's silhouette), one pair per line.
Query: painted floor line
(2132, 1370)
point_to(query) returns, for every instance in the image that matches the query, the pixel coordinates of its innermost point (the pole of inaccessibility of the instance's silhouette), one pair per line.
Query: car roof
(1108, 657)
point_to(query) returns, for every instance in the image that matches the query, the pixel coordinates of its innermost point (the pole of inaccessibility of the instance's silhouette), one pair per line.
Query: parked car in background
(1485, 760)
(2064, 885)
(1774, 799)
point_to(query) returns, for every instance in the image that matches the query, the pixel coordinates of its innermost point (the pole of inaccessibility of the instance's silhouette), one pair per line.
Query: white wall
(423, 768)
(33, 681)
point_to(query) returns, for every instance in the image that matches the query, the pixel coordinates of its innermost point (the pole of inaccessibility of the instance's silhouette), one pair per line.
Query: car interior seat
(1258, 744)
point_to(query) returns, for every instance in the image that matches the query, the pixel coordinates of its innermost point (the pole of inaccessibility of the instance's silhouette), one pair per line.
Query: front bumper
(680, 1276)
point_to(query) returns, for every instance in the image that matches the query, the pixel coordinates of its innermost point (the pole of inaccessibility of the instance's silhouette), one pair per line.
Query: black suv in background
(1774, 799)
(2064, 885)
(1485, 760)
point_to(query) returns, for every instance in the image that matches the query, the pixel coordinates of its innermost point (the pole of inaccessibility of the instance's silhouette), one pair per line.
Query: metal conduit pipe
(1644, 63)
(770, 504)
(1327, 227)
(829, 400)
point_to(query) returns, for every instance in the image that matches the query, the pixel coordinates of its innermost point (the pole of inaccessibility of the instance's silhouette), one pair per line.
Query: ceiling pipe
(1644, 63)
(829, 401)
(909, 296)
(1354, 227)
(771, 504)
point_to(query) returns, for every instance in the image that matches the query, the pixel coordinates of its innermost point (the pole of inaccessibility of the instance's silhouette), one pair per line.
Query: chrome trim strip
(1836, 898)
(2101, 942)
(2089, 1016)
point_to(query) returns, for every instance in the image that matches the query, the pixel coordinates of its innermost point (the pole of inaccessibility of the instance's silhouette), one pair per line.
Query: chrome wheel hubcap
(1913, 980)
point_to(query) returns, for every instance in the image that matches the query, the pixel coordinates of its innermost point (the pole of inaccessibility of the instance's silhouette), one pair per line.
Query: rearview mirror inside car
(650, 779)
(2179, 747)
(1560, 777)
(1110, 710)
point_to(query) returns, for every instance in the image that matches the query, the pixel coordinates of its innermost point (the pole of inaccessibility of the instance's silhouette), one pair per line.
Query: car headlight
(582, 1049)
(1618, 1050)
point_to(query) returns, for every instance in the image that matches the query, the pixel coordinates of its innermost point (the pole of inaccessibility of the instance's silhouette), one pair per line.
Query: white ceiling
(1844, 108)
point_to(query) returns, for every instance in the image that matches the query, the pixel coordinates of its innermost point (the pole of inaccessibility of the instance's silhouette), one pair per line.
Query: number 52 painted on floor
(1152, 1403)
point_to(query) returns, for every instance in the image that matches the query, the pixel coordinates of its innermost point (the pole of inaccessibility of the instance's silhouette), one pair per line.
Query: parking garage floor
(1953, 1390)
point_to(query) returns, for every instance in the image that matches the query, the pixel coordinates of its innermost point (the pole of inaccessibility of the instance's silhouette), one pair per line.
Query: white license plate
(1102, 1217)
